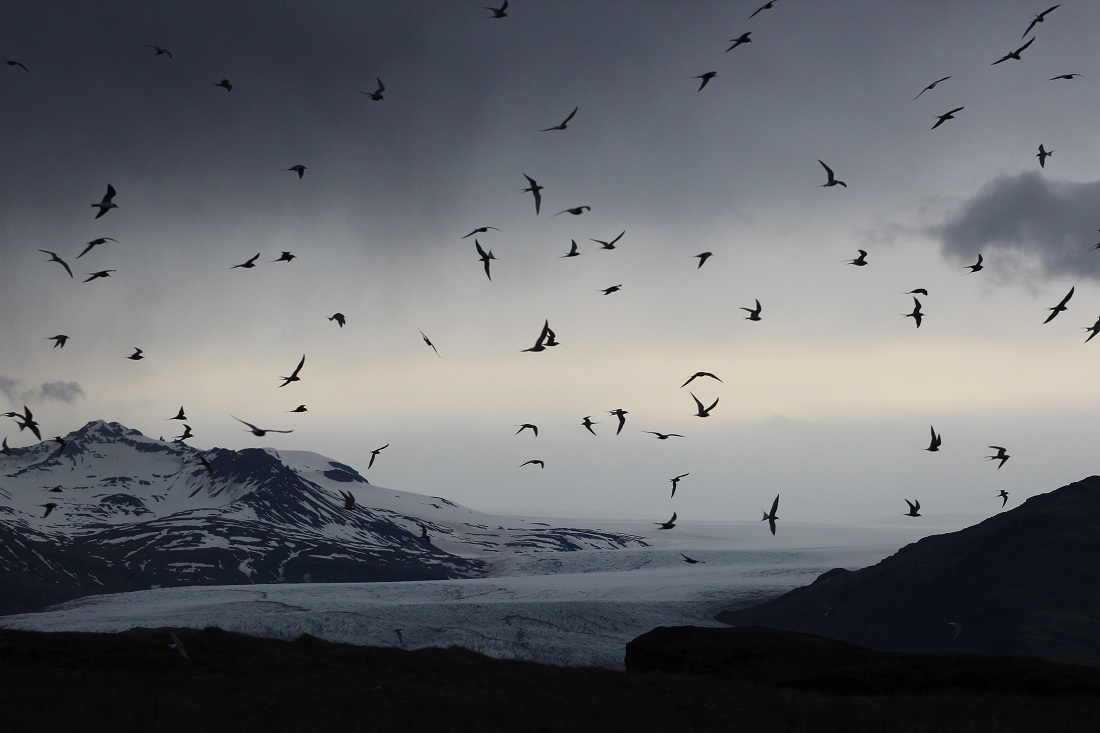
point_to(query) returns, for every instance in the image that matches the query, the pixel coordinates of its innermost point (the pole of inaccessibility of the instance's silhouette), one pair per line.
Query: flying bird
(9, 62)
(1038, 19)
(26, 420)
(136, 356)
(4, 448)
(690, 560)
(97, 275)
(55, 258)
(224, 84)
(61, 443)
(587, 424)
(700, 410)
(1042, 155)
(247, 264)
(914, 508)
(50, 506)
(107, 203)
(754, 313)
(299, 169)
(771, 517)
(206, 464)
(528, 426)
(428, 341)
(743, 38)
(931, 86)
(976, 267)
(936, 441)
(916, 315)
(922, 291)
(612, 289)
(95, 243)
(1002, 455)
(545, 339)
(697, 375)
(1094, 329)
(575, 210)
(533, 461)
(608, 245)
(1014, 54)
(663, 436)
(479, 230)
(285, 257)
(946, 116)
(1004, 497)
(294, 375)
(703, 257)
(861, 260)
(259, 432)
(349, 499)
(58, 341)
(159, 51)
(339, 318)
(484, 257)
(1060, 307)
(676, 481)
(667, 525)
(424, 536)
(299, 408)
(186, 433)
(1065, 76)
(705, 77)
(832, 178)
(177, 644)
(374, 454)
(497, 12)
(179, 415)
(376, 95)
(563, 122)
(572, 250)
(765, 6)
(536, 191)
(619, 413)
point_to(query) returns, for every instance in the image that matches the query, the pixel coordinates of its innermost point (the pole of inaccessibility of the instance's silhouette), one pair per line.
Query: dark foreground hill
(135, 682)
(1025, 582)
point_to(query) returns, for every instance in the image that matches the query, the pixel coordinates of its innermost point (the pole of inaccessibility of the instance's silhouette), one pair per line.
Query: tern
(608, 245)
(703, 257)
(294, 375)
(299, 408)
(1002, 455)
(424, 536)
(916, 315)
(1094, 329)
(258, 432)
(535, 190)
(107, 203)
(533, 461)
(50, 506)
(697, 375)
(705, 77)
(935, 442)
(349, 499)
(497, 12)
(575, 210)
(663, 436)
(97, 275)
(1004, 497)
(9, 62)
(619, 413)
(771, 517)
(95, 243)
(691, 560)
(1065, 76)
(224, 84)
(159, 51)
(1042, 155)
(545, 339)
(832, 178)
(572, 249)
(428, 341)
(186, 433)
(179, 415)
(976, 267)
(299, 169)
(754, 313)
(528, 426)
(374, 454)
(376, 95)
(1038, 19)
(4, 448)
(285, 257)
(700, 410)
(484, 257)
(26, 420)
(861, 260)
(1060, 307)
(612, 289)
(946, 116)
(931, 86)
(914, 508)
(766, 6)
(1014, 54)
(339, 318)
(247, 264)
(587, 424)
(743, 38)
(675, 480)
(55, 258)
(177, 644)
(136, 356)
(563, 122)
(922, 291)
(667, 525)
(206, 464)
(479, 230)
(58, 340)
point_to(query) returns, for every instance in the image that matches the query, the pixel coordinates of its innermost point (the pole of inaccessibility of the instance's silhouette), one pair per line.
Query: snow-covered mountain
(133, 512)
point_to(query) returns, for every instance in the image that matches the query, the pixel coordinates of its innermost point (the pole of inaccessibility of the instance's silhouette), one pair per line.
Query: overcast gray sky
(827, 400)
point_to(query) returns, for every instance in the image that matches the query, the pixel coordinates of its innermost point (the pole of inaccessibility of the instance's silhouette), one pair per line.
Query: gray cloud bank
(57, 391)
(1040, 227)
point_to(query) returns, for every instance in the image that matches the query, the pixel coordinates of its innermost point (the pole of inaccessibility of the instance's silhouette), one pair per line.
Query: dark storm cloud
(1046, 228)
(56, 391)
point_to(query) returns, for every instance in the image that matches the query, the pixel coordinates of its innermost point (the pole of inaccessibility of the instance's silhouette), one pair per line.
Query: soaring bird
(1038, 19)
(1014, 54)
(224, 84)
(107, 203)
(587, 424)
(179, 415)
(545, 339)
(206, 464)
(675, 480)
(976, 267)
(247, 264)
(931, 86)
(608, 245)
(916, 315)
(136, 356)
(551, 337)
(575, 210)
(376, 95)
(946, 116)
(667, 525)
(743, 38)
(861, 260)
(97, 275)
(484, 257)
(1094, 329)
(374, 454)
(177, 644)
(26, 420)
(1042, 155)
(536, 191)
(1004, 497)
(914, 508)
(936, 441)
(50, 506)
(700, 410)
(563, 122)
(259, 432)
(621, 414)
(339, 318)
(533, 461)
(186, 433)
(158, 51)
(61, 443)
(497, 12)
(1002, 455)
(691, 560)
(428, 341)
(294, 375)
(4, 448)
(55, 258)
(479, 230)
(766, 6)
(1060, 307)
(703, 257)
(9, 62)
(95, 243)
(663, 436)
(572, 249)
(696, 375)
(705, 78)
(349, 499)
(285, 257)
(921, 291)
(753, 313)
(612, 289)
(832, 178)
(1065, 76)
(528, 426)
(58, 340)
(299, 408)
(771, 516)
(299, 169)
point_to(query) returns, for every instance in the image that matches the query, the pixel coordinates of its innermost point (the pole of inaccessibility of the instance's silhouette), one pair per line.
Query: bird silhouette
(621, 414)
(564, 122)
(1093, 329)
(753, 313)
(676, 482)
(137, 355)
(916, 315)
(50, 506)
(484, 257)
(299, 169)
(479, 230)
(206, 464)
(1004, 497)
(765, 6)
(285, 257)
(1065, 76)
(4, 448)
(1042, 155)
(771, 517)
(705, 78)
(572, 249)
(179, 415)
(608, 245)
(612, 289)
(575, 210)
(700, 410)
(25, 421)
(186, 433)
(930, 87)
(107, 203)
(976, 267)
(55, 258)
(1060, 307)
(247, 264)
(294, 375)
(1002, 455)
(743, 38)
(95, 243)
(299, 408)
(536, 191)
(1038, 19)
(922, 291)
(663, 436)
(374, 454)
(935, 443)
(545, 339)
(349, 499)
(832, 178)
(497, 12)
(158, 51)
(1014, 54)
(428, 341)
(695, 376)
(703, 257)
(587, 424)
(424, 533)
(528, 426)
(946, 116)
(376, 95)
(177, 644)
(61, 443)
(691, 561)
(914, 508)
(339, 318)
(224, 84)
(667, 525)
(258, 432)
(859, 261)
(534, 462)
(10, 62)
(59, 340)
(97, 275)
